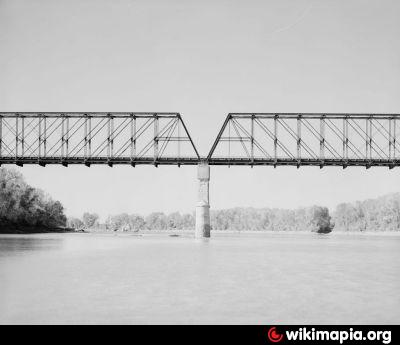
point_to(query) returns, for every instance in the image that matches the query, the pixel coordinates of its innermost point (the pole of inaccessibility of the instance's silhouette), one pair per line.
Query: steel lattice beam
(297, 139)
(95, 138)
(307, 139)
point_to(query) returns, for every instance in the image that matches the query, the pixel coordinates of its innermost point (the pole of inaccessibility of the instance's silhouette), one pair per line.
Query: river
(265, 278)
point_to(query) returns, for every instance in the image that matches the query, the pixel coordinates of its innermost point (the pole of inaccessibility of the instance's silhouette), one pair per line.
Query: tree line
(134, 222)
(373, 215)
(314, 219)
(380, 214)
(24, 207)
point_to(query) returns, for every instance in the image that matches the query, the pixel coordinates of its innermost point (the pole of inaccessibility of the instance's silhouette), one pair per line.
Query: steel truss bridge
(275, 139)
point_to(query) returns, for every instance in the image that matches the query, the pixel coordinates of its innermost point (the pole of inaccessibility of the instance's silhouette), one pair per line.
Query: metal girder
(307, 139)
(276, 139)
(95, 138)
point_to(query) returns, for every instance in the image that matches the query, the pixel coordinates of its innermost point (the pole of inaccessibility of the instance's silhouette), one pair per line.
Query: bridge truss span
(308, 139)
(95, 138)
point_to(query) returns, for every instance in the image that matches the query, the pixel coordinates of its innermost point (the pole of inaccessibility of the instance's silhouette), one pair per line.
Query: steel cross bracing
(298, 139)
(95, 138)
(308, 139)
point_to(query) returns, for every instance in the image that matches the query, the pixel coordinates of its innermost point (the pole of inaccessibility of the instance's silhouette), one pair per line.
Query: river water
(264, 278)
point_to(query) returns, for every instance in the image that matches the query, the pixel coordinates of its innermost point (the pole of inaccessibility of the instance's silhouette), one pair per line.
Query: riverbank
(189, 233)
(28, 229)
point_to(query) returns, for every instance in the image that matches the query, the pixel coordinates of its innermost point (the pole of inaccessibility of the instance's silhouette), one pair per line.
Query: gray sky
(203, 59)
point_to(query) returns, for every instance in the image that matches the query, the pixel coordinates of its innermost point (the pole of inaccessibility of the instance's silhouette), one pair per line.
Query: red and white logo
(274, 336)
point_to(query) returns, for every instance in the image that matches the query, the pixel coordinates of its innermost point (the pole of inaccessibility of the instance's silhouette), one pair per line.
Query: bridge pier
(203, 224)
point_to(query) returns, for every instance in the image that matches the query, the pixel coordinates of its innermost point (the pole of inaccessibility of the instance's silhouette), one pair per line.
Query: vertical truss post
(370, 137)
(345, 138)
(366, 139)
(85, 137)
(133, 136)
(252, 139)
(275, 140)
(155, 137)
(110, 136)
(16, 137)
(90, 136)
(62, 135)
(1, 135)
(298, 140)
(67, 138)
(22, 136)
(40, 136)
(179, 138)
(322, 138)
(44, 135)
(229, 141)
(390, 138)
(394, 139)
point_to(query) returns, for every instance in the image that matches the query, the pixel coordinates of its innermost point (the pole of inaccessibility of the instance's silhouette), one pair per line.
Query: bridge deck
(99, 161)
(194, 161)
(305, 162)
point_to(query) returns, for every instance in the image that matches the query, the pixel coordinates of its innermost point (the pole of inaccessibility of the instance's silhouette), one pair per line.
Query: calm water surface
(241, 278)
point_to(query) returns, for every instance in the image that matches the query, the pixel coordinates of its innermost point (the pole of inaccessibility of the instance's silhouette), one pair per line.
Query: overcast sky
(203, 59)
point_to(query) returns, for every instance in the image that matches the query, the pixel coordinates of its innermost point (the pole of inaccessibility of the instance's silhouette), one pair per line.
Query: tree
(89, 219)
(188, 221)
(156, 221)
(137, 222)
(319, 219)
(21, 204)
(174, 221)
(75, 223)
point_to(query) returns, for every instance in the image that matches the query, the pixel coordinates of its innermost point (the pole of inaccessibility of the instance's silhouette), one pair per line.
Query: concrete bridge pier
(203, 224)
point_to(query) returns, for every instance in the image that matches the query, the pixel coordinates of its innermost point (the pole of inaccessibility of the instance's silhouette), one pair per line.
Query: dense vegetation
(381, 214)
(135, 222)
(314, 218)
(25, 208)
